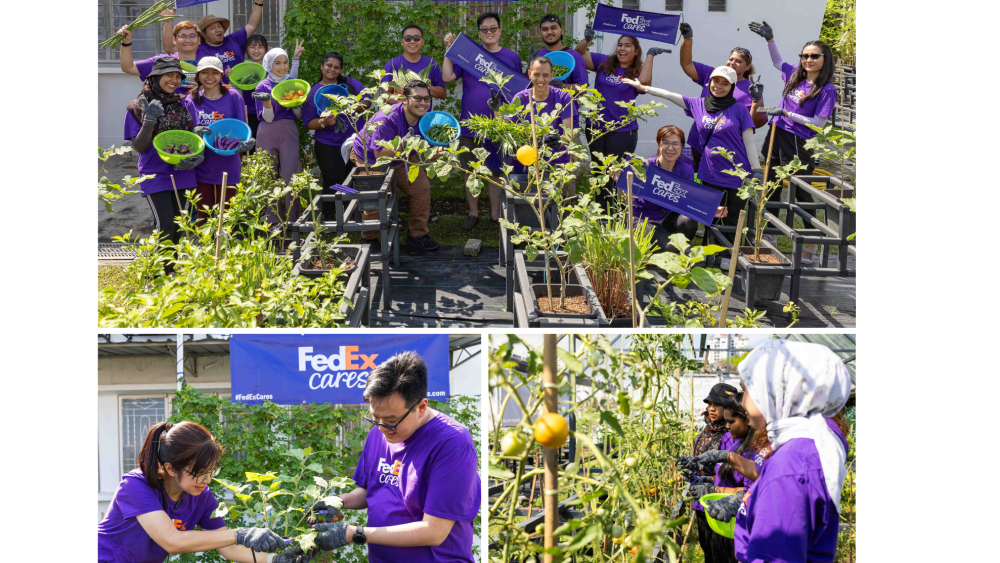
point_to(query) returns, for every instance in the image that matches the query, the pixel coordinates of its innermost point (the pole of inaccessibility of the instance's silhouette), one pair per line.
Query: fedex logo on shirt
(347, 366)
(670, 190)
(637, 23)
(179, 524)
(227, 56)
(484, 66)
(209, 118)
(613, 79)
(797, 96)
(743, 504)
(709, 121)
(389, 473)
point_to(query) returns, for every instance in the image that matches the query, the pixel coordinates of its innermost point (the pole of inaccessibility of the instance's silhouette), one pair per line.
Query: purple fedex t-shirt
(738, 480)
(819, 106)
(741, 93)
(120, 537)
(728, 134)
(151, 163)
(230, 52)
(434, 471)
(476, 94)
(388, 128)
(229, 106)
(787, 516)
(646, 209)
(578, 76)
(613, 90)
(436, 76)
(310, 112)
(548, 105)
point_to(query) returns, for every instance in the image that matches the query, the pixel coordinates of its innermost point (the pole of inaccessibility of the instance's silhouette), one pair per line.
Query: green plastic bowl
(244, 70)
(177, 137)
(294, 84)
(724, 529)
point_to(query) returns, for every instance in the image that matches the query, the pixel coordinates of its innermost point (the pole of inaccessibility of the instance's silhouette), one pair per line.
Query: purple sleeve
(783, 513)
(189, 104)
(263, 86)
(145, 66)
(207, 522)
(453, 488)
(388, 71)
(827, 100)
(579, 75)
(131, 126)
(598, 59)
(746, 122)
(459, 73)
(238, 39)
(309, 109)
(567, 102)
(239, 105)
(690, 103)
(360, 472)
(786, 71)
(704, 71)
(436, 76)
(134, 496)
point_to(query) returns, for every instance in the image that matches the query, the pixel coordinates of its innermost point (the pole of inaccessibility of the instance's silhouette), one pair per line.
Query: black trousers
(332, 168)
(705, 537)
(674, 223)
(786, 147)
(165, 211)
(253, 121)
(617, 143)
(723, 549)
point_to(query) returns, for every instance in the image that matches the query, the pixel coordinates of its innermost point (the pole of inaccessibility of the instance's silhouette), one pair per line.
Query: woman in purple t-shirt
(156, 507)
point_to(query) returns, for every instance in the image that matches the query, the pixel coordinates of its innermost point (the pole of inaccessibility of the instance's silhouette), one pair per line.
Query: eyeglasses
(813, 56)
(188, 37)
(391, 427)
(420, 99)
(207, 476)
(673, 145)
(493, 29)
(411, 38)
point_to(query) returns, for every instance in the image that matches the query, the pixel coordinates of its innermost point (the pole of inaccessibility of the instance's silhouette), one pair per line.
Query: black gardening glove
(756, 89)
(698, 490)
(777, 112)
(340, 125)
(589, 33)
(703, 462)
(653, 51)
(189, 163)
(725, 508)
(757, 174)
(259, 539)
(154, 110)
(556, 83)
(686, 31)
(552, 141)
(322, 505)
(331, 536)
(247, 146)
(262, 96)
(296, 556)
(495, 101)
(201, 130)
(763, 30)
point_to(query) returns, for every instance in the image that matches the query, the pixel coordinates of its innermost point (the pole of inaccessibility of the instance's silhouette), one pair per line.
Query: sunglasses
(411, 38)
(392, 427)
(493, 29)
(813, 56)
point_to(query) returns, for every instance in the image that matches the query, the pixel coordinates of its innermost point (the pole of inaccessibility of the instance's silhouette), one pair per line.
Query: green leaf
(572, 363)
(413, 172)
(583, 539)
(530, 252)
(320, 481)
(611, 420)
(704, 280)
(315, 467)
(498, 472)
(567, 527)
(710, 249)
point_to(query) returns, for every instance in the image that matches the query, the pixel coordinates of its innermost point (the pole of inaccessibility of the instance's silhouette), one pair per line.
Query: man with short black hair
(417, 475)
(412, 60)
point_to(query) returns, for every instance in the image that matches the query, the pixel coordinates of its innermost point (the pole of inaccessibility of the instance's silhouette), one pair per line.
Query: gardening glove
(725, 508)
(777, 112)
(262, 96)
(247, 146)
(331, 536)
(154, 110)
(757, 174)
(698, 490)
(259, 539)
(340, 125)
(756, 89)
(556, 83)
(707, 460)
(653, 51)
(296, 556)
(552, 141)
(763, 30)
(190, 162)
(589, 33)
(686, 31)
(495, 101)
(331, 509)
(201, 130)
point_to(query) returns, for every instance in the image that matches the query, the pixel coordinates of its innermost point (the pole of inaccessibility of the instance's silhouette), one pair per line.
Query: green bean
(559, 70)
(442, 133)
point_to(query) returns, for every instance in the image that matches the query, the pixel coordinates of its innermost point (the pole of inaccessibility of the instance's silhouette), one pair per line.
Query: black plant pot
(767, 285)
(369, 183)
(337, 252)
(540, 290)
(833, 215)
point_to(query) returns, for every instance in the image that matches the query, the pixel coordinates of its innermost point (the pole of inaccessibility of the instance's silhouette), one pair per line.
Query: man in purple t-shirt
(417, 475)
(413, 61)
(475, 101)
(215, 43)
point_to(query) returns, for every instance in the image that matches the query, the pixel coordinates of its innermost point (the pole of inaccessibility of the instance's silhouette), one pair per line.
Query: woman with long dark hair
(156, 507)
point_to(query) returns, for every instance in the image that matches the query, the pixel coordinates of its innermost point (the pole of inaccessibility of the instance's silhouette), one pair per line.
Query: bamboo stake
(176, 196)
(631, 250)
(551, 490)
(222, 212)
(767, 169)
(732, 269)
(531, 497)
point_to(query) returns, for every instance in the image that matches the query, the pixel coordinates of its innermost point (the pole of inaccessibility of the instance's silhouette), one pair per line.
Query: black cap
(720, 392)
(164, 65)
(551, 18)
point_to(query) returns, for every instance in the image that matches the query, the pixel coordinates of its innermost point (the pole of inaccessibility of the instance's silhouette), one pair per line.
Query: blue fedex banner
(675, 193)
(648, 25)
(325, 368)
(475, 60)
(186, 3)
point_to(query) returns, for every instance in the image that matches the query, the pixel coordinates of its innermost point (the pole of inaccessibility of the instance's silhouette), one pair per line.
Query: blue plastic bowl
(437, 117)
(232, 127)
(565, 59)
(322, 102)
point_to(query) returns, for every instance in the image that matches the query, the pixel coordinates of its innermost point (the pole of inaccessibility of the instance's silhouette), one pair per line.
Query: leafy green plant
(840, 29)
(606, 258)
(361, 108)
(840, 146)
(108, 192)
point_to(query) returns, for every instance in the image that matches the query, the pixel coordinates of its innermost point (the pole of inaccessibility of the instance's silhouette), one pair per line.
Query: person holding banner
(186, 34)
(156, 507)
(475, 101)
(721, 123)
(214, 41)
(413, 61)
(417, 475)
(748, 91)
(670, 140)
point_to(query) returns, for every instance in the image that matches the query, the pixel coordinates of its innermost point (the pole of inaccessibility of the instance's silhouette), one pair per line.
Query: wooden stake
(631, 250)
(178, 197)
(551, 490)
(732, 268)
(222, 212)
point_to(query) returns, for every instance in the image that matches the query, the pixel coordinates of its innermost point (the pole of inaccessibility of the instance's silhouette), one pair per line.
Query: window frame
(668, 9)
(724, 10)
(112, 60)
(121, 419)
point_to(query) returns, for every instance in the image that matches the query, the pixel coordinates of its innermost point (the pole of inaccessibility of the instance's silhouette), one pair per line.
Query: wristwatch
(359, 536)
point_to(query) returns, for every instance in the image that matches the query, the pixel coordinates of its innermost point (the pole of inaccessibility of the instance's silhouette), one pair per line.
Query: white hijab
(796, 386)
(269, 61)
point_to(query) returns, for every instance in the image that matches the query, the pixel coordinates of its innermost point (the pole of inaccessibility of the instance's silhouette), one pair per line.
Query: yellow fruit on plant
(513, 443)
(527, 155)
(551, 430)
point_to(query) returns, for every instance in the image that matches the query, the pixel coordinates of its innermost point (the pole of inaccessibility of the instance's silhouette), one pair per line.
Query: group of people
(778, 448)
(417, 476)
(726, 113)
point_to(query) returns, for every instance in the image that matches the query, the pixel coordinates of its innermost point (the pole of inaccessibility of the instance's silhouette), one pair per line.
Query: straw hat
(208, 20)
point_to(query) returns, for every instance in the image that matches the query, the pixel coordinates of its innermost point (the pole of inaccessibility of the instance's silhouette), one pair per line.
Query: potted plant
(840, 146)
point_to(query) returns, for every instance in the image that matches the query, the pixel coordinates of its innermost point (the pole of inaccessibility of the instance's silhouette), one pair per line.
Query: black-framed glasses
(207, 476)
(410, 38)
(392, 427)
(744, 52)
(493, 29)
(813, 56)
(420, 99)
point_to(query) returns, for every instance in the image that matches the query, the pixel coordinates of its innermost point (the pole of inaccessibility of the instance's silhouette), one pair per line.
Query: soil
(764, 258)
(574, 304)
(317, 263)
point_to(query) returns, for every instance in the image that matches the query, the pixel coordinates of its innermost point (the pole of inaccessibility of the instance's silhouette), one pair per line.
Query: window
(716, 5)
(630, 4)
(674, 5)
(146, 42)
(138, 415)
(270, 22)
